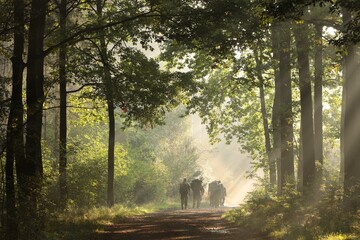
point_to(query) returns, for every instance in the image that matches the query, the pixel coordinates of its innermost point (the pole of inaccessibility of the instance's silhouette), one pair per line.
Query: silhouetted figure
(184, 193)
(222, 194)
(215, 193)
(198, 190)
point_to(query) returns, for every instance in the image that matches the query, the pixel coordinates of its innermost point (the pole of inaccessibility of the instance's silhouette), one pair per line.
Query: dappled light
(189, 224)
(186, 119)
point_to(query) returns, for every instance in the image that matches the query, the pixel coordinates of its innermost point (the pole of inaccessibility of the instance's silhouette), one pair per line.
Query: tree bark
(286, 115)
(270, 162)
(318, 97)
(35, 86)
(351, 126)
(14, 137)
(63, 101)
(31, 170)
(276, 107)
(307, 122)
(342, 129)
(111, 153)
(111, 108)
(11, 216)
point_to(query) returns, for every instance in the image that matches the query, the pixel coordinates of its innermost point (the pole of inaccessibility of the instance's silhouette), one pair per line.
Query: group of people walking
(216, 192)
(196, 186)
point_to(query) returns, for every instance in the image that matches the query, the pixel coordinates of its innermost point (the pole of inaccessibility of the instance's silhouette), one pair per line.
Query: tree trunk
(111, 108)
(307, 122)
(276, 107)
(342, 130)
(351, 126)
(31, 169)
(286, 116)
(318, 98)
(271, 166)
(14, 136)
(300, 167)
(11, 216)
(111, 155)
(63, 116)
(346, 18)
(35, 87)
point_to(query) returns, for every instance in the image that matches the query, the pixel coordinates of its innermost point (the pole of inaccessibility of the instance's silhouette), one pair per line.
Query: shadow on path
(192, 224)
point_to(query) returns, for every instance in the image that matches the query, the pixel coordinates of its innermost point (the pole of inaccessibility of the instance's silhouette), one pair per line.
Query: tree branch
(80, 88)
(69, 106)
(93, 29)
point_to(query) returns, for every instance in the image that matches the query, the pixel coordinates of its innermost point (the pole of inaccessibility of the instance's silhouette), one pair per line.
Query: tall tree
(351, 123)
(258, 54)
(301, 32)
(286, 163)
(15, 142)
(318, 94)
(108, 89)
(241, 30)
(113, 69)
(63, 108)
(276, 104)
(30, 171)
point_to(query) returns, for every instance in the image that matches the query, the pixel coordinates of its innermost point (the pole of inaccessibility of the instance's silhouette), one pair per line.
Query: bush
(87, 173)
(291, 216)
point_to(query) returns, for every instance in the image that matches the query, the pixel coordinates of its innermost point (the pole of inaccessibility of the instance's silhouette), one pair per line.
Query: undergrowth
(89, 224)
(292, 217)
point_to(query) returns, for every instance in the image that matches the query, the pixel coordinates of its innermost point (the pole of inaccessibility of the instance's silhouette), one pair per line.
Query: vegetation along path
(177, 224)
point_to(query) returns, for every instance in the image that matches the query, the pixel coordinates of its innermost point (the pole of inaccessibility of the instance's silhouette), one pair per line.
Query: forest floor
(193, 224)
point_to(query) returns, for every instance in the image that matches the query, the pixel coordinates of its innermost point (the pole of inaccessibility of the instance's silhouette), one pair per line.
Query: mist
(223, 162)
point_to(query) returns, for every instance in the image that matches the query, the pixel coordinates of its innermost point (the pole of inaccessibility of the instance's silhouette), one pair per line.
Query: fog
(219, 161)
(223, 162)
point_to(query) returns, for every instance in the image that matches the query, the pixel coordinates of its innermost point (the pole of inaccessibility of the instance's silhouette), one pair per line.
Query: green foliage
(146, 93)
(78, 223)
(133, 81)
(214, 42)
(150, 185)
(229, 105)
(176, 150)
(164, 155)
(339, 236)
(75, 224)
(291, 216)
(87, 175)
(224, 64)
(149, 163)
(87, 111)
(218, 27)
(321, 215)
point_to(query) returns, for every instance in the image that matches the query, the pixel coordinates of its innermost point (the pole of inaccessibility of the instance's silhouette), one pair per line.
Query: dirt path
(205, 224)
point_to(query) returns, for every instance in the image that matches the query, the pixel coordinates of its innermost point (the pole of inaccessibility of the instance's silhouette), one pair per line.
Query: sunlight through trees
(98, 101)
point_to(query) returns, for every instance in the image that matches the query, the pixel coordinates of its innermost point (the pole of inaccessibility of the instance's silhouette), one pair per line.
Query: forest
(97, 99)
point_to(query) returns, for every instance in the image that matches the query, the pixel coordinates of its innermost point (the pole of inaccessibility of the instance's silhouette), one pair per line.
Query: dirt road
(193, 224)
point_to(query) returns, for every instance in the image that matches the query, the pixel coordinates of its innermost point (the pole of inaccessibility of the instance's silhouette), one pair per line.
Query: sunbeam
(223, 162)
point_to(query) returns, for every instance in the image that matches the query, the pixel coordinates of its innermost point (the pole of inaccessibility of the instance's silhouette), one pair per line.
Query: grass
(339, 237)
(89, 224)
(292, 217)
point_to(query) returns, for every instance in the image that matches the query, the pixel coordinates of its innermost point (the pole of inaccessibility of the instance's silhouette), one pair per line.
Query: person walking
(184, 193)
(198, 191)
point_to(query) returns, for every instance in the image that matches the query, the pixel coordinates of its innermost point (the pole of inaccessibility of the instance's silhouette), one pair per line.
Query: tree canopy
(96, 96)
